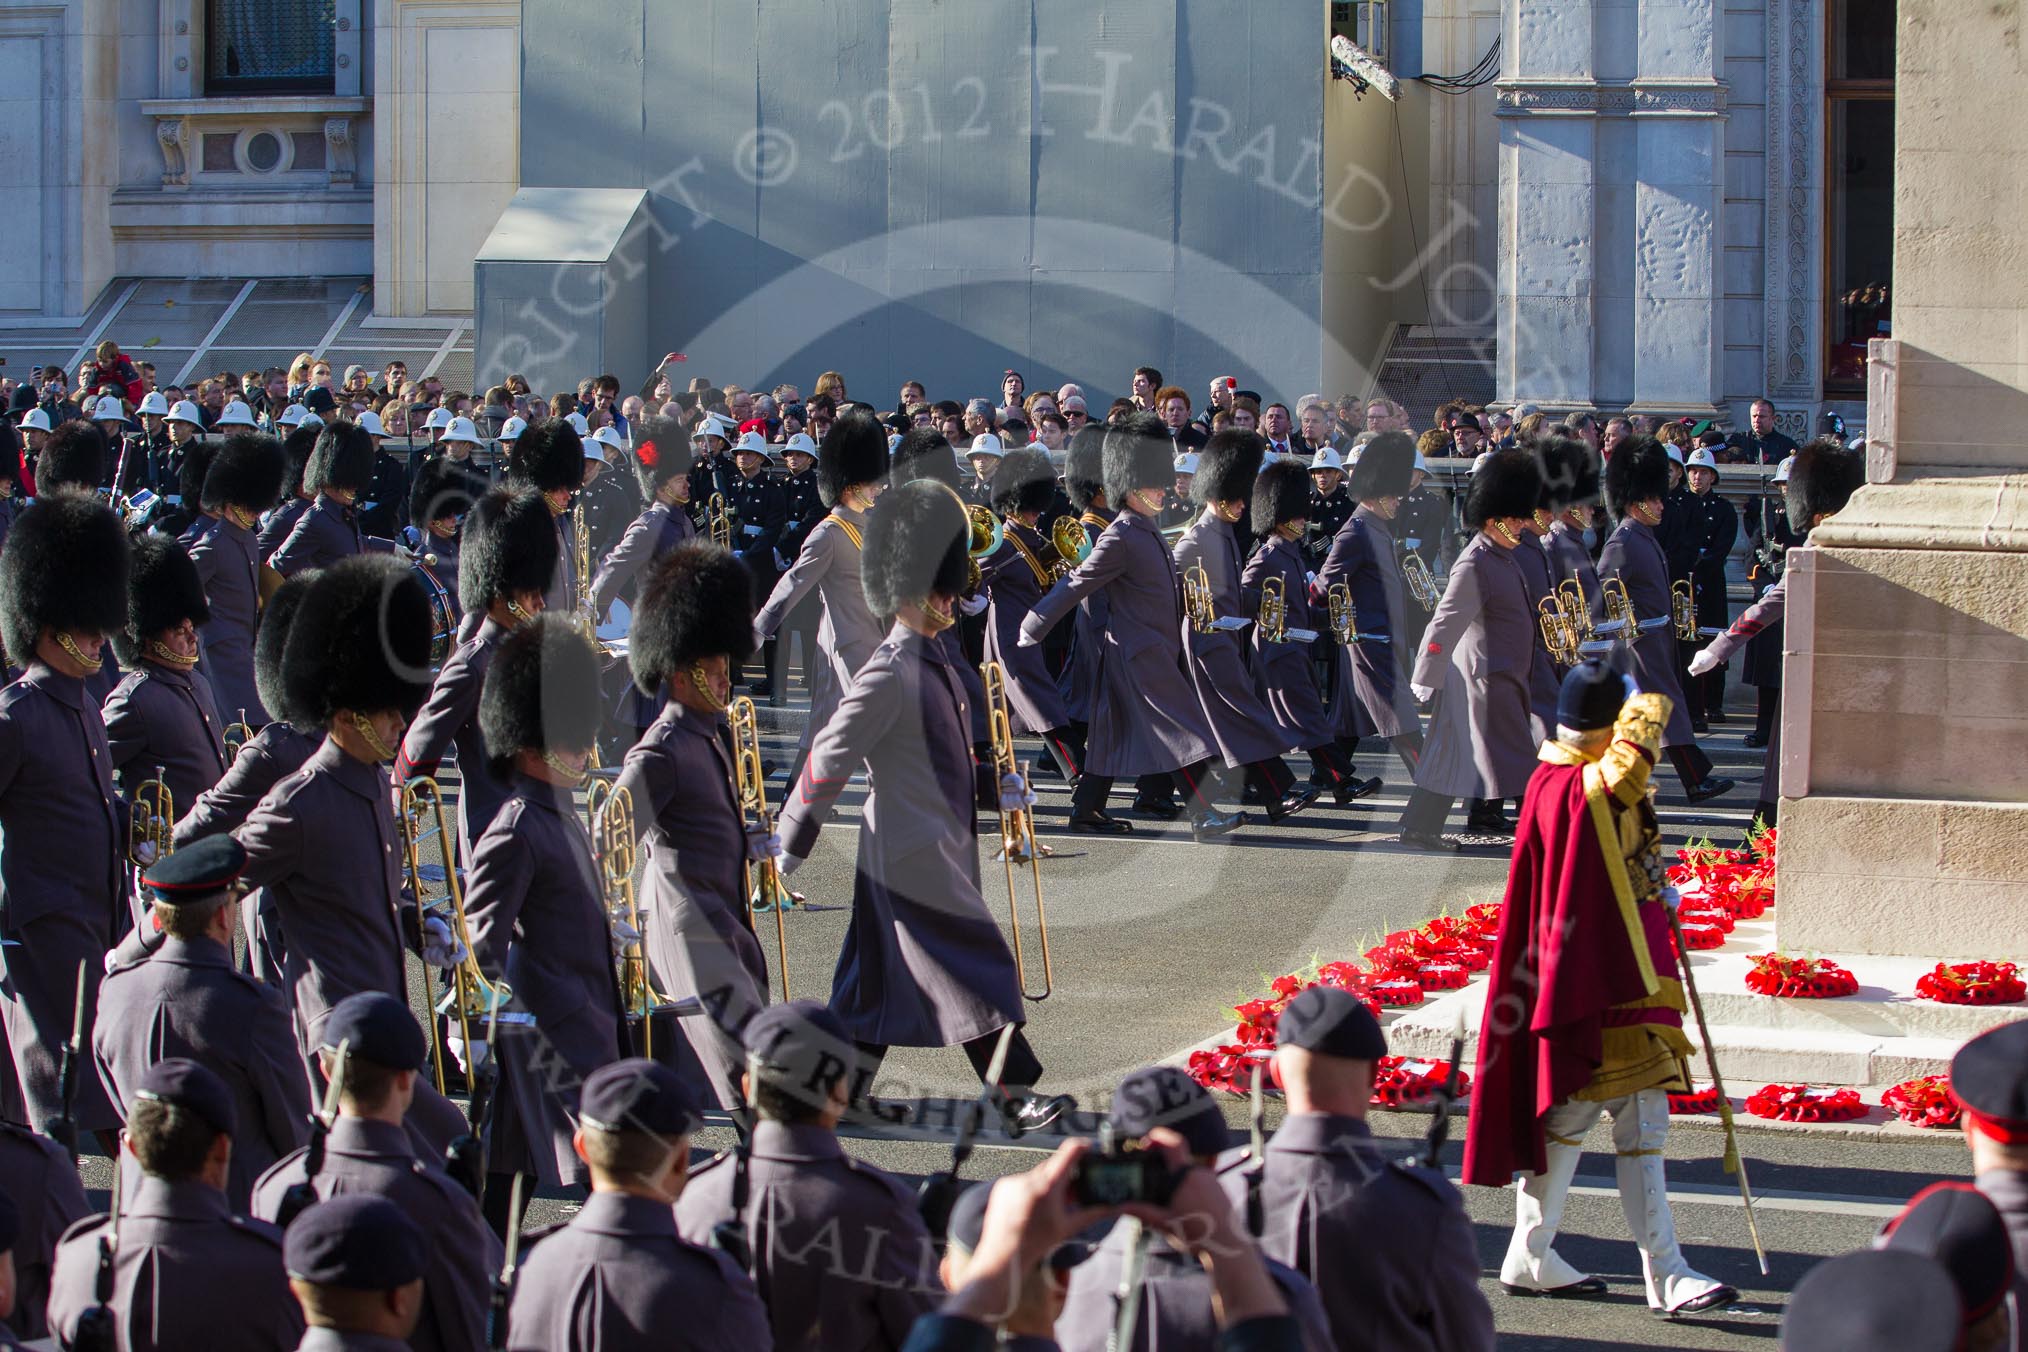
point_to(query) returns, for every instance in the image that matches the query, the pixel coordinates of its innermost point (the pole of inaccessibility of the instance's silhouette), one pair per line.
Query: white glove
(1027, 640)
(144, 853)
(1310, 578)
(972, 605)
(469, 1055)
(789, 863)
(625, 936)
(760, 845)
(1671, 898)
(1702, 662)
(781, 564)
(1423, 694)
(441, 949)
(1015, 795)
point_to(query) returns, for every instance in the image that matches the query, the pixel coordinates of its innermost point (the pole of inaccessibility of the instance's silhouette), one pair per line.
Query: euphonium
(1421, 585)
(1557, 635)
(718, 521)
(763, 882)
(1072, 541)
(1274, 610)
(1017, 833)
(1683, 609)
(609, 810)
(422, 817)
(237, 735)
(986, 535)
(1198, 606)
(1344, 620)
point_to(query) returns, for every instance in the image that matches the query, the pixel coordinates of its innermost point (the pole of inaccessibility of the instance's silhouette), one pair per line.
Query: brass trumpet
(1421, 583)
(237, 735)
(1683, 610)
(1344, 620)
(762, 884)
(1558, 636)
(1198, 606)
(718, 520)
(1017, 834)
(1576, 610)
(1274, 610)
(609, 810)
(1618, 609)
(422, 818)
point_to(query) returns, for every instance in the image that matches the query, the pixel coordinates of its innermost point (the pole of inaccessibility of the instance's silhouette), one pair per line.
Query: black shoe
(1423, 840)
(1715, 1299)
(1251, 796)
(1099, 824)
(1753, 741)
(1354, 789)
(1714, 716)
(1023, 1111)
(761, 690)
(1709, 789)
(1489, 823)
(1699, 726)
(1168, 809)
(1214, 824)
(1589, 1288)
(1294, 801)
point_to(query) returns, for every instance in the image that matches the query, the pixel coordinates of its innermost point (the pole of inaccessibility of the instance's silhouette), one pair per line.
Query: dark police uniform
(160, 717)
(760, 512)
(1715, 529)
(1328, 514)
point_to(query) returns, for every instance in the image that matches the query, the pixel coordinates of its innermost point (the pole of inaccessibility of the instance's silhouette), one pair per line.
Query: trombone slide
(761, 882)
(1017, 835)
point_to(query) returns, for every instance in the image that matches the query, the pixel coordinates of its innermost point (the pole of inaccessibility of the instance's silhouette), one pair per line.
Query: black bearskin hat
(297, 448)
(1084, 466)
(1569, 473)
(509, 544)
(1822, 479)
(343, 458)
(441, 488)
(163, 590)
(1281, 493)
(190, 475)
(1384, 468)
(916, 537)
(541, 692)
(698, 600)
(854, 451)
(270, 639)
(246, 472)
(65, 567)
(1137, 455)
(360, 641)
(924, 454)
(548, 456)
(1024, 482)
(1509, 485)
(1227, 467)
(661, 453)
(1637, 471)
(10, 452)
(74, 456)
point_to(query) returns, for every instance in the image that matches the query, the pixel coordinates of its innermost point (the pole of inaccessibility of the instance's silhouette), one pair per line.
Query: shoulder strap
(851, 531)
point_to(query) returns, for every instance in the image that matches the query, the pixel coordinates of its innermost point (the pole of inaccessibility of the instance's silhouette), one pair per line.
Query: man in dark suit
(1767, 446)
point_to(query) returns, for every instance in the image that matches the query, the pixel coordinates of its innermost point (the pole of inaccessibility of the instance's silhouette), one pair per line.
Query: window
(1859, 186)
(269, 47)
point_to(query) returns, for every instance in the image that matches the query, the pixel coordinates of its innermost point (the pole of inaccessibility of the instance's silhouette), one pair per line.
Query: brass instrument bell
(422, 818)
(1072, 541)
(1557, 635)
(1344, 620)
(609, 812)
(1683, 610)
(718, 520)
(237, 735)
(1198, 606)
(1415, 574)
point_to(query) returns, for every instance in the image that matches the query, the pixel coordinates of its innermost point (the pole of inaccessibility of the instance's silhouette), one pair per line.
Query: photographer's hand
(1200, 1219)
(1027, 1217)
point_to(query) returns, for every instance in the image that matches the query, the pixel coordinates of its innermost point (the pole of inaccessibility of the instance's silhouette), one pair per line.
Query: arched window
(269, 46)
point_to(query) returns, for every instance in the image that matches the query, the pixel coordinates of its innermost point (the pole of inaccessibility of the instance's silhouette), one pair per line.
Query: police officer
(619, 1276)
(161, 718)
(357, 1266)
(187, 1001)
(1325, 1189)
(692, 630)
(63, 828)
(508, 557)
(1989, 1078)
(339, 471)
(244, 479)
(1715, 528)
(367, 1151)
(712, 472)
(839, 1253)
(298, 445)
(47, 1196)
(761, 510)
(534, 897)
(804, 506)
(187, 1270)
(1331, 505)
(549, 458)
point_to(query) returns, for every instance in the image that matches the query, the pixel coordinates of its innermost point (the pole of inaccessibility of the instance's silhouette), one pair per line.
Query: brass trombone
(609, 809)
(1198, 606)
(1017, 833)
(1683, 610)
(1274, 610)
(422, 817)
(718, 520)
(581, 528)
(1421, 583)
(237, 735)
(763, 883)
(1558, 636)
(1344, 620)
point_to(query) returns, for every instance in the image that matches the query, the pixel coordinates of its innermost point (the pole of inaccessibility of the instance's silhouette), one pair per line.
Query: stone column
(1904, 816)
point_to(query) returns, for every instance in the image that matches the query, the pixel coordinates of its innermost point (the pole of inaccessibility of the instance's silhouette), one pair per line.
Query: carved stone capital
(340, 155)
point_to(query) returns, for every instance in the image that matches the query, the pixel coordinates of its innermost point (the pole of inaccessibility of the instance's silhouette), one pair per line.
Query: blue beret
(638, 1095)
(1874, 1300)
(1163, 1096)
(799, 1045)
(380, 1030)
(197, 870)
(1959, 1226)
(1591, 696)
(1332, 1022)
(1989, 1076)
(357, 1241)
(184, 1084)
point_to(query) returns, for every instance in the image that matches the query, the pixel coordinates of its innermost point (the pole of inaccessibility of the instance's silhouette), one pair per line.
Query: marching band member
(924, 964)
(1475, 663)
(244, 479)
(339, 470)
(1281, 666)
(438, 498)
(924, 453)
(1015, 577)
(806, 511)
(297, 495)
(851, 472)
(1375, 700)
(549, 458)
(662, 462)
(1246, 731)
(693, 629)
(1145, 718)
(74, 456)
(1636, 481)
(1584, 959)
(1570, 474)
(161, 717)
(1543, 677)
(507, 560)
(63, 828)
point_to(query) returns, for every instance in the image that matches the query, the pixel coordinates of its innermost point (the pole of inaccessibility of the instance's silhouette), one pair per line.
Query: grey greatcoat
(1015, 579)
(1753, 623)
(325, 533)
(1544, 679)
(1327, 1194)
(278, 525)
(449, 721)
(377, 1158)
(1177, 1312)
(63, 887)
(186, 1273)
(847, 632)
(187, 1000)
(1568, 558)
(1634, 555)
(653, 533)
(1245, 728)
(229, 563)
(2007, 1189)
(160, 717)
(691, 893)
(274, 753)
(841, 1257)
(924, 963)
(1281, 671)
(533, 903)
(45, 1188)
(1476, 654)
(1145, 718)
(1377, 701)
(560, 596)
(1079, 677)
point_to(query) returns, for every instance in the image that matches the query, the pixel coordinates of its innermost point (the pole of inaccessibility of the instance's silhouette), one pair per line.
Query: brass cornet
(151, 823)
(762, 883)
(609, 810)
(1198, 606)
(1557, 635)
(1576, 610)
(1619, 611)
(422, 818)
(718, 520)
(1344, 620)
(1017, 833)
(1421, 584)
(237, 735)
(1274, 610)
(1683, 609)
